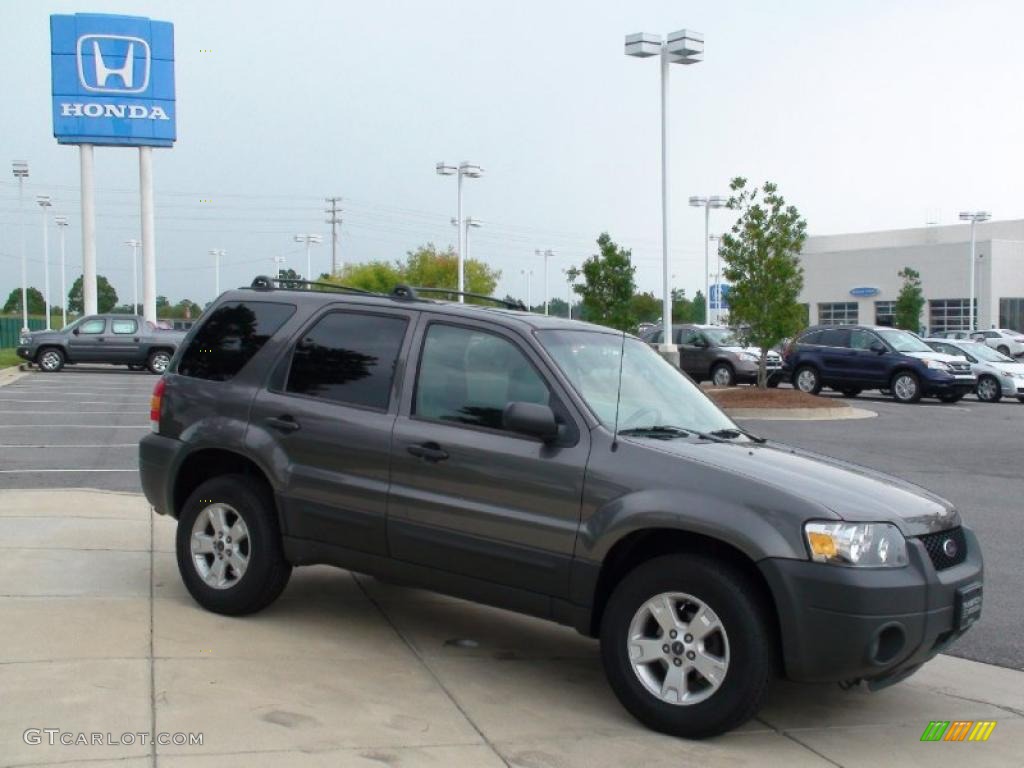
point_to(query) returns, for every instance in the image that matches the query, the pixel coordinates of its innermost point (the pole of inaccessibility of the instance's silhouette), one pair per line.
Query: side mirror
(75, 331)
(531, 419)
(700, 341)
(877, 347)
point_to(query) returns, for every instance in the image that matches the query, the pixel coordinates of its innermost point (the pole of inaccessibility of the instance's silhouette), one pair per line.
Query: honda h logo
(113, 63)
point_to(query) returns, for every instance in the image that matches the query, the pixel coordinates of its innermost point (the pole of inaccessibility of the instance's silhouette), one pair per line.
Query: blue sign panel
(718, 295)
(864, 291)
(113, 80)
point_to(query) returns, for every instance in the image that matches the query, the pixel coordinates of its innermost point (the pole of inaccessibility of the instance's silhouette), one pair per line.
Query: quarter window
(835, 337)
(469, 376)
(126, 327)
(348, 357)
(94, 326)
(230, 336)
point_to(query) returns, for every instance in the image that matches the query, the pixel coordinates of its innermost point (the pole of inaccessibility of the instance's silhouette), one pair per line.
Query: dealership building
(853, 278)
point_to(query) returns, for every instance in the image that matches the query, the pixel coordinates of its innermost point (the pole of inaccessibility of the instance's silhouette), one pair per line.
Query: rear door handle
(431, 452)
(283, 423)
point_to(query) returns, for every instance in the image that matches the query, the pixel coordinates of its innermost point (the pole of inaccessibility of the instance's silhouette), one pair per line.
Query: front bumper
(945, 384)
(843, 624)
(25, 353)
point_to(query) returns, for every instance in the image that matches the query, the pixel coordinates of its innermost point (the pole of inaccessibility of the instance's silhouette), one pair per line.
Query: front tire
(228, 546)
(906, 388)
(988, 389)
(158, 361)
(50, 359)
(1004, 349)
(807, 380)
(722, 375)
(715, 673)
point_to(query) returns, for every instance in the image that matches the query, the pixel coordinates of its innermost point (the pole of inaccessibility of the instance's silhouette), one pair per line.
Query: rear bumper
(845, 624)
(157, 457)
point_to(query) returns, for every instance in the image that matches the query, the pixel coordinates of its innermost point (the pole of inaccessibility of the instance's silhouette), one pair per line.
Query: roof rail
(264, 283)
(409, 293)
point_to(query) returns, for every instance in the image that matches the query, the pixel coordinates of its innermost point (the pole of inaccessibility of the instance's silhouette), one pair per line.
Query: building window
(1011, 314)
(885, 313)
(950, 315)
(838, 313)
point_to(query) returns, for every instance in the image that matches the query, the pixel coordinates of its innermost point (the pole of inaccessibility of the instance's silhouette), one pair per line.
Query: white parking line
(56, 413)
(74, 426)
(80, 402)
(36, 471)
(69, 445)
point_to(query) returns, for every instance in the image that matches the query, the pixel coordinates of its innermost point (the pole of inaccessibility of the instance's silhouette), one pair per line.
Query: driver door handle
(431, 452)
(283, 423)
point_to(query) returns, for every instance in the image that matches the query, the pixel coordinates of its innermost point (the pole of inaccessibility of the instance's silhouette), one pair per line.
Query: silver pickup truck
(117, 339)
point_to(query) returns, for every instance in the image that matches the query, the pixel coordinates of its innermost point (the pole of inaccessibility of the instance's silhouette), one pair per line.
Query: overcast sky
(869, 115)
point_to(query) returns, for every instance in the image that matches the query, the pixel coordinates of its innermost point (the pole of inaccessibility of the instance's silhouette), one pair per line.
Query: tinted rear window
(835, 337)
(229, 338)
(814, 337)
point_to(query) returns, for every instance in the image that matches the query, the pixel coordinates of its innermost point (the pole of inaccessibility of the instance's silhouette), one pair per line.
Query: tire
(906, 387)
(723, 375)
(257, 581)
(50, 359)
(807, 379)
(158, 361)
(951, 397)
(744, 640)
(1004, 349)
(988, 389)
(851, 392)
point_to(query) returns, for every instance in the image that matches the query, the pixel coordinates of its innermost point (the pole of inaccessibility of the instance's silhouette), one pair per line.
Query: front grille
(935, 543)
(960, 367)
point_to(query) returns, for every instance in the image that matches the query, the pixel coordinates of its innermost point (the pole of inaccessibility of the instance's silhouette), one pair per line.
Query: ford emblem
(949, 548)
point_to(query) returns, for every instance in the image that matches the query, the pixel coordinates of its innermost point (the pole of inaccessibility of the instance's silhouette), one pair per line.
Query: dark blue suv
(852, 358)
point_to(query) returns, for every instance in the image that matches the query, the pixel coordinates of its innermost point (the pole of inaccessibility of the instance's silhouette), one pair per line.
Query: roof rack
(264, 283)
(409, 293)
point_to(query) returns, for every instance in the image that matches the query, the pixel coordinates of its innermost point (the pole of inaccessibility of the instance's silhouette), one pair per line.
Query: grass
(8, 357)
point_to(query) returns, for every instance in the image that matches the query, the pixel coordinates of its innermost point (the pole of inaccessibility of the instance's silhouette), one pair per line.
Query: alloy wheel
(50, 360)
(159, 362)
(988, 388)
(807, 380)
(905, 388)
(220, 546)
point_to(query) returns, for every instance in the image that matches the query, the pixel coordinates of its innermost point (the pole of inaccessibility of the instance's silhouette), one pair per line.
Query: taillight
(790, 348)
(155, 402)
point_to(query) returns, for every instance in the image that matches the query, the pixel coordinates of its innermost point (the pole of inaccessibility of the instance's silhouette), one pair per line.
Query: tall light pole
(20, 170)
(468, 222)
(546, 255)
(707, 203)
(308, 240)
(569, 275)
(216, 253)
(44, 203)
(528, 273)
(471, 171)
(974, 217)
(134, 245)
(62, 225)
(682, 47)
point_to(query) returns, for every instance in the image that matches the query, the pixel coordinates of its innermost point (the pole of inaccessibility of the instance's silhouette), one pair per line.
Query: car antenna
(618, 395)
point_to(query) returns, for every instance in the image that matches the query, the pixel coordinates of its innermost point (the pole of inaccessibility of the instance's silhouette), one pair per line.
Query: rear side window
(814, 337)
(229, 338)
(348, 357)
(124, 326)
(835, 337)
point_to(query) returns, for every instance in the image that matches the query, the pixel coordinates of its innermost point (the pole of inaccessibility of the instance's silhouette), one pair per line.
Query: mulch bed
(752, 397)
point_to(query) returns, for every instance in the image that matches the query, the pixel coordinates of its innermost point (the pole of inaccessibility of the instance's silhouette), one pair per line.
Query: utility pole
(334, 219)
(546, 255)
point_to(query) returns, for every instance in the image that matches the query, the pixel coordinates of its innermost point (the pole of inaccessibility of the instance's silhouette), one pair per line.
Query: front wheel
(50, 360)
(906, 388)
(988, 389)
(228, 546)
(686, 646)
(722, 375)
(1004, 349)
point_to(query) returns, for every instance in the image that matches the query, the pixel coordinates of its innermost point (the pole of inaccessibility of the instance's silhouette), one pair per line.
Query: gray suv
(551, 467)
(711, 352)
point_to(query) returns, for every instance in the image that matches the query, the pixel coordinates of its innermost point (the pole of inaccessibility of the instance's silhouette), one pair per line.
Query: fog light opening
(888, 644)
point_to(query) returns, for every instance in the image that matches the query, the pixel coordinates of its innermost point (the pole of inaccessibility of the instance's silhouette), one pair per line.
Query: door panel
(866, 366)
(88, 344)
(122, 341)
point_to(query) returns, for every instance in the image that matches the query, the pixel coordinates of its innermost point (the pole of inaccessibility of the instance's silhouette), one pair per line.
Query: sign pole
(148, 234)
(85, 155)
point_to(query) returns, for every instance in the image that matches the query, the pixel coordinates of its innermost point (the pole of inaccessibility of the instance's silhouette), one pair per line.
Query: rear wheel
(686, 646)
(1004, 349)
(851, 392)
(229, 546)
(50, 359)
(807, 380)
(988, 389)
(906, 388)
(158, 361)
(722, 375)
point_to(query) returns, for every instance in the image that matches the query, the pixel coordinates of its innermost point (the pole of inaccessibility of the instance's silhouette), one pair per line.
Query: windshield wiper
(732, 433)
(668, 431)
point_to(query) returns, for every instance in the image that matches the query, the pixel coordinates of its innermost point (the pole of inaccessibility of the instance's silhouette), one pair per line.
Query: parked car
(119, 339)
(852, 358)
(952, 335)
(717, 354)
(1009, 342)
(998, 375)
(551, 467)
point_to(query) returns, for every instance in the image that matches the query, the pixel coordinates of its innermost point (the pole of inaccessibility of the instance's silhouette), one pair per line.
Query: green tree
(682, 310)
(377, 276)
(698, 309)
(608, 285)
(761, 258)
(36, 304)
(106, 296)
(646, 307)
(909, 302)
(162, 305)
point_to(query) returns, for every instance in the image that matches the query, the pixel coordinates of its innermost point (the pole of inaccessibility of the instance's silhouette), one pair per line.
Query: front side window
(903, 341)
(722, 337)
(986, 353)
(861, 339)
(93, 326)
(348, 357)
(469, 376)
(690, 337)
(230, 336)
(124, 326)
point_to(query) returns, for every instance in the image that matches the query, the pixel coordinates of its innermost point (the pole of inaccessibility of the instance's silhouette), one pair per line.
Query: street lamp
(20, 170)
(471, 171)
(974, 217)
(134, 245)
(44, 203)
(62, 225)
(528, 273)
(468, 222)
(707, 203)
(308, 240)
(216, 253)
(569, 273)
(547, 255)
(682, 47)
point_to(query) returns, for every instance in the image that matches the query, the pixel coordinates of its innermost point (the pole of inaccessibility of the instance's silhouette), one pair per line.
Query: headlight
(24, 340)
(748, 357)
(867, 545)
(937, 365)
(1008, 375)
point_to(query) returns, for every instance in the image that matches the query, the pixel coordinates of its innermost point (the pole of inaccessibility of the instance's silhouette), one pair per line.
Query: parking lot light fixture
(134, 245)
(216, 253)
(527, 274)
(974, 217)
(472, 171)
(707, 203)
(308, 240)
(20, 170)
(62, 225)
(682, 47)
(44, 204)
(546, 254)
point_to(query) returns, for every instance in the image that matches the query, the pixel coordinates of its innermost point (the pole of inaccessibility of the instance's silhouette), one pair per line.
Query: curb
(10, 375)
(800, 414)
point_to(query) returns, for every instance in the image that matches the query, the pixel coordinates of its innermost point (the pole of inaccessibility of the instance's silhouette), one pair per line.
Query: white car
(1007, 341)
(998, 375)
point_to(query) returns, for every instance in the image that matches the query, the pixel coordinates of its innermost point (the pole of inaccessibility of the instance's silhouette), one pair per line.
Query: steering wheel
(634, 419)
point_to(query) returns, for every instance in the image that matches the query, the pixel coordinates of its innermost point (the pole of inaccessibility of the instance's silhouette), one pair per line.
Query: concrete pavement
(97, 634)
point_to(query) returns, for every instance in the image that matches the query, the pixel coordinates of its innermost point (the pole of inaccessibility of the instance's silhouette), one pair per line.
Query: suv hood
(751, 350)
(852, 492)
(940, 356)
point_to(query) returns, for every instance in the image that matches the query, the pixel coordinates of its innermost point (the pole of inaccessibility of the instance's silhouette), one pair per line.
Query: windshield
(986, 353)
(722, 337)
(653, 392)
(903, 341)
